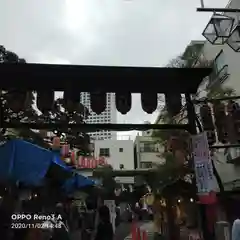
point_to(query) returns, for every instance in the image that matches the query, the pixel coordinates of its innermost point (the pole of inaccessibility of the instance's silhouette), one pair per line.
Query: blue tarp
(56, 159)
(24, 162)
(77, 182)
(28, 163)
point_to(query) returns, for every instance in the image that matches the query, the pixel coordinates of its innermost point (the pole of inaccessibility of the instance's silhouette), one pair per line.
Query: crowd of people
(68, 223)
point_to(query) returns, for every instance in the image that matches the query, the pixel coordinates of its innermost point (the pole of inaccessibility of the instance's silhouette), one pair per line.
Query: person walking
(236, 230)
(105, 228)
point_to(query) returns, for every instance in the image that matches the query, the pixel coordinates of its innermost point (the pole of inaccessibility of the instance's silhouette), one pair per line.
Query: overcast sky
(105, 32)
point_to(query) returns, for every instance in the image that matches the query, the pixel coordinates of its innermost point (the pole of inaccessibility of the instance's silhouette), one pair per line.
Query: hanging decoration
(71, 100)
(98, 102)
(218, 29)
(17, 100)
(234, 38)
(207, 122)
(65, 150)
(45, 100)
(149, 102)
(123, 102)
(173, 103)
(233, 109)
(56, 144)
(90, 162)
(220, 121)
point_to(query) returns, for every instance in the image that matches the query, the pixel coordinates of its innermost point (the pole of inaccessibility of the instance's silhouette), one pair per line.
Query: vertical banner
(203, 169)
(112, 209)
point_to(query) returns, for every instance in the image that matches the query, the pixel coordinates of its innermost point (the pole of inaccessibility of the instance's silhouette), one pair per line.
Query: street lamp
(218, 29)
(234, 39)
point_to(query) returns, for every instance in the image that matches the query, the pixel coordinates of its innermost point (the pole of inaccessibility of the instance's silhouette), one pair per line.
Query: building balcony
(218, 78)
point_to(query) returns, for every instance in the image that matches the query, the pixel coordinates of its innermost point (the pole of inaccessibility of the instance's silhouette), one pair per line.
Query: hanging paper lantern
(56, 144)
(88, 163)
(79, 161)
(173, 103)
(82, 162)
(123, 102)
(149, 102)
(98, 102)
(71, 99)
(74, 157)
(65, 150)
(45, 100)
(94, 163)
(91, 162)
(97, 162)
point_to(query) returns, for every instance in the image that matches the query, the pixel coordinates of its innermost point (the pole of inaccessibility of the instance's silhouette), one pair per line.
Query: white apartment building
(118, 153)
(226, 69)
(148, 152)
(226, 61)
(108, 116)
(147, 133)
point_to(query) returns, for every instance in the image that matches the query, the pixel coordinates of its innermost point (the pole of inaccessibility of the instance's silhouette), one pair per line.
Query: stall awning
(77, 182)
(24, 162)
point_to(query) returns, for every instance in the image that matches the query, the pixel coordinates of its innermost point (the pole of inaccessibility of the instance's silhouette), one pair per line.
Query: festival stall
(28, 164)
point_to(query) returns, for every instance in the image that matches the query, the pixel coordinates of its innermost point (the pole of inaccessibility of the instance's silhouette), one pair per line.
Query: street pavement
(123, 232)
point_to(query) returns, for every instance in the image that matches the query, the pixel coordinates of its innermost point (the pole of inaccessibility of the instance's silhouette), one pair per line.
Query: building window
(104, 152)
(148, 147)
(121, 166)
(219, 61)
(120, 149)
(220, 70)
(146, 165)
